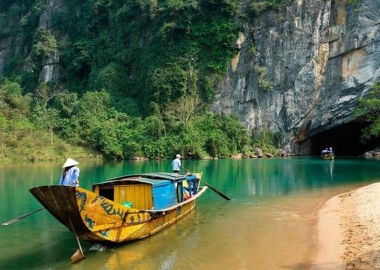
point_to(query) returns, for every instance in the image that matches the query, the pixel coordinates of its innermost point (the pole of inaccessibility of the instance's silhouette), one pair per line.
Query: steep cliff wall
(19, 46)
(300, 71)
(50, 70)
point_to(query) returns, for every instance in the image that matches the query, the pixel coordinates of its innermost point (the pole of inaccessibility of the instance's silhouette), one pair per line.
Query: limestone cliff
(300, 71)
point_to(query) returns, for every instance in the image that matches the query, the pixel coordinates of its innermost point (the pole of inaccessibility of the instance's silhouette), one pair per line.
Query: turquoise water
(268, 224)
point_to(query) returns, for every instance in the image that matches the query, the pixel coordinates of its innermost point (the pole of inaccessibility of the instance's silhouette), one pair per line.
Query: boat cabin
(154, 191)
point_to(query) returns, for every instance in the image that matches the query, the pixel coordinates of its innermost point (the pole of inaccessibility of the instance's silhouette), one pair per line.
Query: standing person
(70, 174)
(176, 163)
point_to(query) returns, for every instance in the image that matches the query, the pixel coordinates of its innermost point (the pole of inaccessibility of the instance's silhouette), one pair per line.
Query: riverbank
(348, 231)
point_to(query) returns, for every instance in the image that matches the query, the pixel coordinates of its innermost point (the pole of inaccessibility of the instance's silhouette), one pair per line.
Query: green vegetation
(368, 111)
(257, 7)
(92, 122)
(25, 126)
(263, 83)
(135, 79)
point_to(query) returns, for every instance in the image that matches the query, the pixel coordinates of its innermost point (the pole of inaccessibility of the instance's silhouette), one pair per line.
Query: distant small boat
(328, 155)
(122, 209)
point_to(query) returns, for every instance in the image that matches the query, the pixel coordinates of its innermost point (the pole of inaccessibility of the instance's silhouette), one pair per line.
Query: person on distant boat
(176, 163)
(70, 174)
(330, 150)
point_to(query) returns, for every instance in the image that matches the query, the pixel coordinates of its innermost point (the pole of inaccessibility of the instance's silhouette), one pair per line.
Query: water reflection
(331, 168)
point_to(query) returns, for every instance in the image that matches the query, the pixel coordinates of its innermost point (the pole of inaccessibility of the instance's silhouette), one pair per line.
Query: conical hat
(70, 162)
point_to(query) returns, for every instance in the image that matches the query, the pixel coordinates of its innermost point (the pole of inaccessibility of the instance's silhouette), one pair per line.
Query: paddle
(78, 255)
(21, 217)
(211, 187)
(216, 191)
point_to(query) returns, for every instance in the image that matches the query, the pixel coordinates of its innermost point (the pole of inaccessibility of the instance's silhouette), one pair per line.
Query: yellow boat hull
(95, 218)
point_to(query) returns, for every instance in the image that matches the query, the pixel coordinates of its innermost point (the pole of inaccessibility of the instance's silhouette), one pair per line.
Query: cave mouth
(344, 140)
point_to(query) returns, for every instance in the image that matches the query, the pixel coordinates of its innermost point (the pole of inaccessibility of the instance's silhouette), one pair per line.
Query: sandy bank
(349, 231)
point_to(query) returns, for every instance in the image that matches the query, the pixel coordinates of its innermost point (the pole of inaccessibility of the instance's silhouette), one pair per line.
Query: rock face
(298, 71)
(5, 48)
(301, 70)
(50, 67)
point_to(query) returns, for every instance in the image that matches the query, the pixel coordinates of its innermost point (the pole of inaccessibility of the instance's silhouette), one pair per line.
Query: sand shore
(349, 231)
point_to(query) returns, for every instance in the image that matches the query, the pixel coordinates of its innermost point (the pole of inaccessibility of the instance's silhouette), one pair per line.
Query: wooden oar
(211, 187)
(216, 191)
(78, 255)
(21, 217)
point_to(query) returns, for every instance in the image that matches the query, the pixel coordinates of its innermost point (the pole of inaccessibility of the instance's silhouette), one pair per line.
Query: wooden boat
(328, 155)
(122, 209)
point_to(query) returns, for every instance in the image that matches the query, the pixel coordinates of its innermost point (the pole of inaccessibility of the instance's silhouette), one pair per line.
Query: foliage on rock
(135, 78)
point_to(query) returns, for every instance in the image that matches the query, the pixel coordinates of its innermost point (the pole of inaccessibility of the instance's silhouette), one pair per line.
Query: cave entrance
(345, 140)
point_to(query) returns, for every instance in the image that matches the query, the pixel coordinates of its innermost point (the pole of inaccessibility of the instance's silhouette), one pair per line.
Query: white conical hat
(70, 162)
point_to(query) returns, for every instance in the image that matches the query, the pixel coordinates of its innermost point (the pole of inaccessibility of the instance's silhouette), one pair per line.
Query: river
(269, 223)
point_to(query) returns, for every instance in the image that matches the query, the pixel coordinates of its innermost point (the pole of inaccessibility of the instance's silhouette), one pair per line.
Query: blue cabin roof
(164, 186)
(153, 178)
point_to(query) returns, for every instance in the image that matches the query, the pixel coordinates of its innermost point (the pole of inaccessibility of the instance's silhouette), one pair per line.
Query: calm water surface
(268, 224)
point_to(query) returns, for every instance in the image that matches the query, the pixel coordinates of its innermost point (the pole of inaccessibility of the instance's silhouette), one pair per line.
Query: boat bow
(61, 202)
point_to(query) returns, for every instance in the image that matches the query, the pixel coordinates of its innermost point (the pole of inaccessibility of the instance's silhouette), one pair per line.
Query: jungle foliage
(136, 77)
(368, 111)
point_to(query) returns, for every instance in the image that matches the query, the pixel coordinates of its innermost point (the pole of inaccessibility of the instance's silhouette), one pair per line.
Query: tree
(47, 91)
(157, 126)
(45, 116)
(3, 129)
(182, 110)
(11, 94)
(368, 111)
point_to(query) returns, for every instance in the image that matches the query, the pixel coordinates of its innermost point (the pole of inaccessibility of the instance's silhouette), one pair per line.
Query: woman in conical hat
(70, 174)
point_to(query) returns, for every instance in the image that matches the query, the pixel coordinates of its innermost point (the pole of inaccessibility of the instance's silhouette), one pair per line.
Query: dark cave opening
(345, 141)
